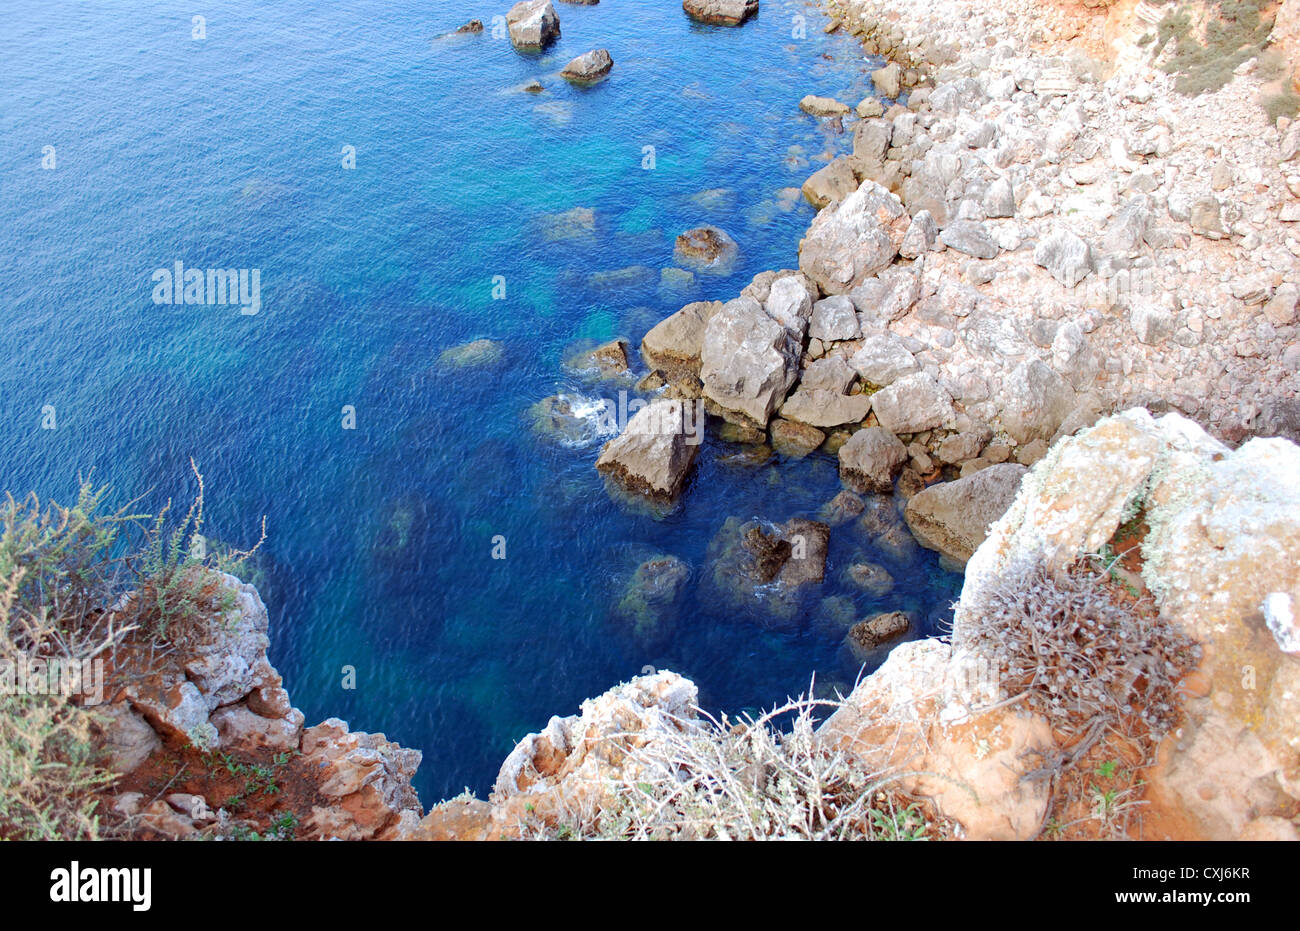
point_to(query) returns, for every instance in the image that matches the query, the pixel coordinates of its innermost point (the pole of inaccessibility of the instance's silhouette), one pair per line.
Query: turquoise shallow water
(226, 152)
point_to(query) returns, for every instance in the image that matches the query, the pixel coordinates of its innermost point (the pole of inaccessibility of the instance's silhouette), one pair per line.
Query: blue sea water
(228, 151)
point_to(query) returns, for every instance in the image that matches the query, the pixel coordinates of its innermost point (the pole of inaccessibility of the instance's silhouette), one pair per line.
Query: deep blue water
(226, 153)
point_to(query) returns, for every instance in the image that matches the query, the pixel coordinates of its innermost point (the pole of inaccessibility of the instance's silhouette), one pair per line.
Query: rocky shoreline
(1042, 299)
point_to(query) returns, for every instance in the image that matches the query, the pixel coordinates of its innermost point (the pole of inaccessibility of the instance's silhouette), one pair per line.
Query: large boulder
(823, 398)
(954, 517)
(1066, 256)
(720, 12)
(533, 24)
(912, 404)
(748, 361)
(674, 344)
(588, 68)
(1035, 400)
(883, 359)
(870, 460)
(832, 182)
(654, 453)
(854, 240)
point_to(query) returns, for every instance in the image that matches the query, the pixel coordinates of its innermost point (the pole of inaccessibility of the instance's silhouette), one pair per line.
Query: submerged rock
(647, 611)
(654, 454)
(476, 354)
(569, 421)
(533, 24)
(871, 577)
(761, 569)
(954, 517)
(708, 250)
(720, 12)
(589, 67)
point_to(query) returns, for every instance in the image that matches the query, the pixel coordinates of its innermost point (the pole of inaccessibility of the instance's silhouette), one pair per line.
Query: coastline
(1205, 335)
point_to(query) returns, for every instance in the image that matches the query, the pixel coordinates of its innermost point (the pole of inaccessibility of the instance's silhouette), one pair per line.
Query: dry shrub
(56, 564)
(752, 779)
(1068, 644)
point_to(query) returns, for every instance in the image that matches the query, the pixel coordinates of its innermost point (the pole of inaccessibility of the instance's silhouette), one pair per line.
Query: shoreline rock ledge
(533, 25)
(720, 12)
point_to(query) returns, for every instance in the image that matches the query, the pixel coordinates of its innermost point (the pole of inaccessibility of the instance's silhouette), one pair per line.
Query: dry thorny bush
(749, 779)
(1104, 671)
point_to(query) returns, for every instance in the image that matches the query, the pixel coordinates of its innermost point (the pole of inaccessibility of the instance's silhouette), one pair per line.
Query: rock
(790, 302)
(647, 611)
(871, 577)
(954, 517)
(822, 106)
(963, 446)
(853, 240)
(833, 319)
(833, 182)
(793, 439)
(126, 737)
(1281, 309)
(1205, 218)
(761, 570)
(707, 250)
(748, 360)
(589, 67)
(999, 199)
(654, 453)
(871, 141)
(870, 460)
(911, 404)
(922, 233)
(1151, 324)
(481, 353)
(869, 108)
(842, 508)
(239, 727)
(1223, 528)
(820, 407)
(607, 360)
(883, 359)
(1066, 256)
(473, 26)
(971, 238)
(887, 80)
(720, 12)
(865, 638)
(1035, 400)
(673, 345)
(364, 778)
(533, 24)
(888, 296)
(567, 420)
